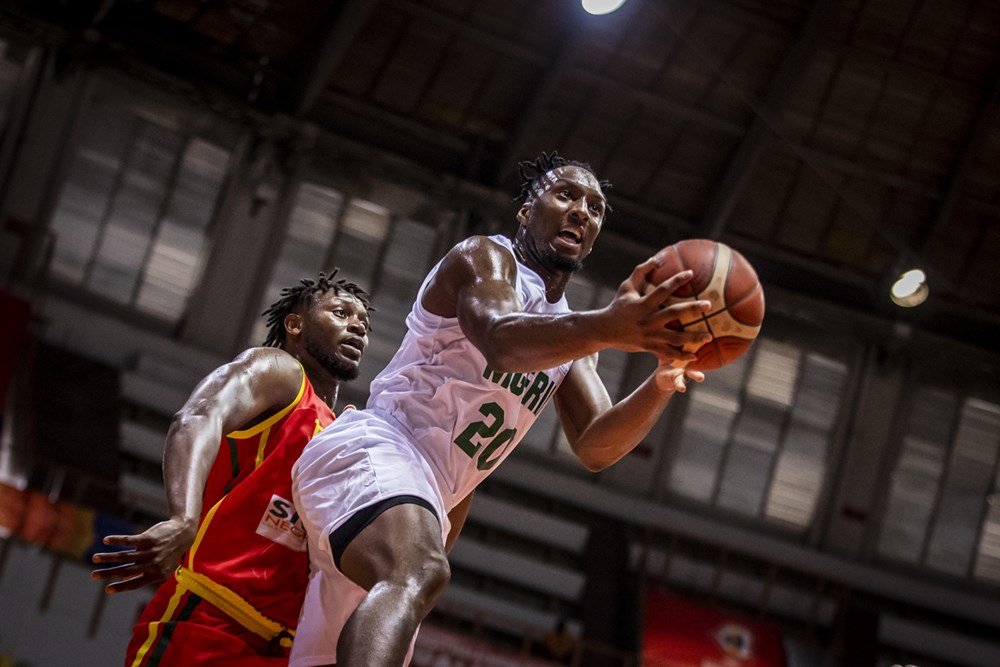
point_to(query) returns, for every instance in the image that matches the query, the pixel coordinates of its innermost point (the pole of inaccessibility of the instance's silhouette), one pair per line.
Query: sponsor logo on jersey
(533, 389)
(281, 524)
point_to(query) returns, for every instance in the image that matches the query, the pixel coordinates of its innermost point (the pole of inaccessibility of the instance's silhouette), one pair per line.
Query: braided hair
(533, 170)
(293, 298)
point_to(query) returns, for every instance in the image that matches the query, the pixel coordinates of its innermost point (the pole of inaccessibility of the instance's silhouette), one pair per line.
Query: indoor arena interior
(829, 498)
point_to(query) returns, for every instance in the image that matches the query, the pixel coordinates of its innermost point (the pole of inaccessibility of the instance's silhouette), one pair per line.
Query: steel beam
(335, 37)
(975, 139)
(793, 66)
(514, 49)
(532, 111)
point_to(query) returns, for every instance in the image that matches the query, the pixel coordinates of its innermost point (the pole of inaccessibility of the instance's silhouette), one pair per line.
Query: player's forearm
(531, 342)
(616, 432)
(192, 445)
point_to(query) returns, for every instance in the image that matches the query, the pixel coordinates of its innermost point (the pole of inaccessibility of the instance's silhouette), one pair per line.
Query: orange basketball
(724, 277)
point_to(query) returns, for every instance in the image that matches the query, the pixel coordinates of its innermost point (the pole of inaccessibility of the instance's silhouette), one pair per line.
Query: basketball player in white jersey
(384, 491)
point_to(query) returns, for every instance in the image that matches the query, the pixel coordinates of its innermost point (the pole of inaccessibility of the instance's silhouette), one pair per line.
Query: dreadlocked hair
(292, 298)
(533, 170)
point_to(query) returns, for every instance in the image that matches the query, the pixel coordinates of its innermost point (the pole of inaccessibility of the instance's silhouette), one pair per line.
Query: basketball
(724, 277)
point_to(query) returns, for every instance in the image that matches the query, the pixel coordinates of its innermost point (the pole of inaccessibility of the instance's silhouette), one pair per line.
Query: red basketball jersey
(250, 539)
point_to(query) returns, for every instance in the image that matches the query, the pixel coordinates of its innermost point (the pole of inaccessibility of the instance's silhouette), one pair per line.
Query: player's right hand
(154, 555)
(637, 316)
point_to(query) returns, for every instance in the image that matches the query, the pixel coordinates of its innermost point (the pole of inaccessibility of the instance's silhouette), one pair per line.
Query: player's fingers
(671, 284)
(642, 271)
(118, 572)
(127, 540)
(115, 557)
(129, 584)
(679, 338)
(679, 384)
(679, 309)
(697, 376)
(637, 280)
(135, 556)
(671, 354)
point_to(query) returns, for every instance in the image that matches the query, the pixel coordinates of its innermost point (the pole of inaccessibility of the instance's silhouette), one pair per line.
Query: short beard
(334, 365)
(556, 262)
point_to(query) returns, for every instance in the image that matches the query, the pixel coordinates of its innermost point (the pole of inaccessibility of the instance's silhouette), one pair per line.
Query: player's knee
(438, 572)
(429, 576)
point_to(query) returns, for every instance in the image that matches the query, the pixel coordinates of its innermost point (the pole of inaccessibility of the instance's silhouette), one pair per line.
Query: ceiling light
(600, 7)
(910, 289)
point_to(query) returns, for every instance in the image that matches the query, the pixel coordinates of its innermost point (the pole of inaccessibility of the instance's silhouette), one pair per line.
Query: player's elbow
(591, 459)
(500, 361)
(594, 464)
(500, 356)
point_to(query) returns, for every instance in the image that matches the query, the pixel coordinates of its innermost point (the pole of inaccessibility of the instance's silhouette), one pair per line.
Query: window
(385, 255)
(757, 439)
(132, 216)
(303, 254)
(941, 508)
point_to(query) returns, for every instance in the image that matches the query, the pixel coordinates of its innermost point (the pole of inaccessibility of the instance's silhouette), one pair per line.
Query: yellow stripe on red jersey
(250, 539)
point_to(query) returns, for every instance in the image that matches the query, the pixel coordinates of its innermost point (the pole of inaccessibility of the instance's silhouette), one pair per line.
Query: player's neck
(555, 280)
(327, 391)
(324, 384)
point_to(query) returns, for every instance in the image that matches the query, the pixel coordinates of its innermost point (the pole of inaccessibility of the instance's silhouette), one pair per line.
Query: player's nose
(357, 326)
(579, 209)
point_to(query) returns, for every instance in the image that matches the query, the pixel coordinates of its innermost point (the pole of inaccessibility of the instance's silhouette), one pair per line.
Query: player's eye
(564, 194)
(340, 312)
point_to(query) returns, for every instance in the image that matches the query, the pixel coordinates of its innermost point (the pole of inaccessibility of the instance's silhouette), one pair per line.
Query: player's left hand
(154, 555)
(670, 379)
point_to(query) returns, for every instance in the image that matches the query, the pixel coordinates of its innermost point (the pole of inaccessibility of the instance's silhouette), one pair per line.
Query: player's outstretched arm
(476, 283)
(258, 382)
(601, 433)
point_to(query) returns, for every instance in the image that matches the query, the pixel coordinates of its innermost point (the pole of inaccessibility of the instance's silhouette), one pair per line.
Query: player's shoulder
(267, 361)
(481, 243)
(479, 253)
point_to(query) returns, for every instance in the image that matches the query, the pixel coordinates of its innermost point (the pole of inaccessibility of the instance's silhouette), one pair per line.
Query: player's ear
(293, 324)
(522, 213)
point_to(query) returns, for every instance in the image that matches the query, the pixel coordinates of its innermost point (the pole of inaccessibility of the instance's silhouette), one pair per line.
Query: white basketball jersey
(464, 417)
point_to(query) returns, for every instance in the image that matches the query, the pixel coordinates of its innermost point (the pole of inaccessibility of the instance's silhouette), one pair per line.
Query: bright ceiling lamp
(601, 7)
(910, 289)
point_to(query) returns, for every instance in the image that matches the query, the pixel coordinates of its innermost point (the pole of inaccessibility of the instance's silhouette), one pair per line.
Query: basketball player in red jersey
(235, 598)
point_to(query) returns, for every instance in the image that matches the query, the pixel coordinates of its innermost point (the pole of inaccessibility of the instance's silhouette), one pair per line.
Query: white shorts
(356, 462)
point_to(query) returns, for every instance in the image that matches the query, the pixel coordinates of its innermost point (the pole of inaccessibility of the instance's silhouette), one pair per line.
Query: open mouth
(571, 236)
(354, 347)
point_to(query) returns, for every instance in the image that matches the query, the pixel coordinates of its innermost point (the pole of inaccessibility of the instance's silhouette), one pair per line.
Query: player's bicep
(581, 398)
(481, 303)
(485, 291)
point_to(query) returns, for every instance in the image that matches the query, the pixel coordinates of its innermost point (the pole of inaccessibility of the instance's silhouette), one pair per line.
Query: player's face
(335, 333)
(564, 217)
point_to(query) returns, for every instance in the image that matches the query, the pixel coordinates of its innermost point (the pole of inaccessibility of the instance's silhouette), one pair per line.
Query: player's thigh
(403, 541)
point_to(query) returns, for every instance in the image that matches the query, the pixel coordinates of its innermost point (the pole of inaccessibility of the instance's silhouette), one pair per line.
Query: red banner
(74, 530)
(13, 506)
(679, 633)
(40, 519)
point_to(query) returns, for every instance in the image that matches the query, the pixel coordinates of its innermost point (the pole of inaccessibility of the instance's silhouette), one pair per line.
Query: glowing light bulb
(910, 289)
(601, 7)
